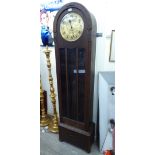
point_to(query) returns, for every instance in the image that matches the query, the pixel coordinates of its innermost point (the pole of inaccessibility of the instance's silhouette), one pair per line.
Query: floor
(50, 145)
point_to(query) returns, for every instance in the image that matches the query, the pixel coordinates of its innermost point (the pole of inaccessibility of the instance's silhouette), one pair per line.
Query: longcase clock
(75, 44)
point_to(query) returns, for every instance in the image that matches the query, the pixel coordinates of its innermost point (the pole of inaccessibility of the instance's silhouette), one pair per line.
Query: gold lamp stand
(44, 119)
(53, 126)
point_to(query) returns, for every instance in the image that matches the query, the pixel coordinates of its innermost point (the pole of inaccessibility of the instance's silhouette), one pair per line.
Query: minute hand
(70, 24)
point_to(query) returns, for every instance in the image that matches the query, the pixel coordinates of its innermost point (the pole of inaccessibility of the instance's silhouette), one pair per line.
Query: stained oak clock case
(75, 44)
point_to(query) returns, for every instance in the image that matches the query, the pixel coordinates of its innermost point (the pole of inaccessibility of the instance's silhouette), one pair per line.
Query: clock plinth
(80, 138)
(75, 45)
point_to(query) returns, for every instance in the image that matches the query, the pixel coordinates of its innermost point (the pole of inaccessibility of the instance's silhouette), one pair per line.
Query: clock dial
(71, 26)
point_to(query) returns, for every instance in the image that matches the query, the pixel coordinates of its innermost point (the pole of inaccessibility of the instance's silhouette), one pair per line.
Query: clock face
(71, 26)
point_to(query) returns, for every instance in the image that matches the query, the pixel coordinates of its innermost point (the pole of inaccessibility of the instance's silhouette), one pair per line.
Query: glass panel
(63, 81)
(72, 83)
(81, 84)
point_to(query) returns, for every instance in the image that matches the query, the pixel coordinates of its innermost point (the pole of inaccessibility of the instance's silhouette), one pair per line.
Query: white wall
(105, 23)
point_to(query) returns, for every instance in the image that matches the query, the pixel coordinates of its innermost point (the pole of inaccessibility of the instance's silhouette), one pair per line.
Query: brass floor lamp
(53, 126)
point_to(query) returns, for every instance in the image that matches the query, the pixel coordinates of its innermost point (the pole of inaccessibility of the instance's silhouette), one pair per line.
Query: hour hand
(70, 23)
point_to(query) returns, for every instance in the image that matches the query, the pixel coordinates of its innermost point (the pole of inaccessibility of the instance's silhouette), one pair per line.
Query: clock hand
(70, 24)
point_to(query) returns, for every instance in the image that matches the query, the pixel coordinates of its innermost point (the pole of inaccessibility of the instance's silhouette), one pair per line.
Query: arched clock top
(73, 7)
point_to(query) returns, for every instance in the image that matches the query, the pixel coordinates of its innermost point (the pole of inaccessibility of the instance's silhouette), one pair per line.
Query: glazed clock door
(72, 64)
